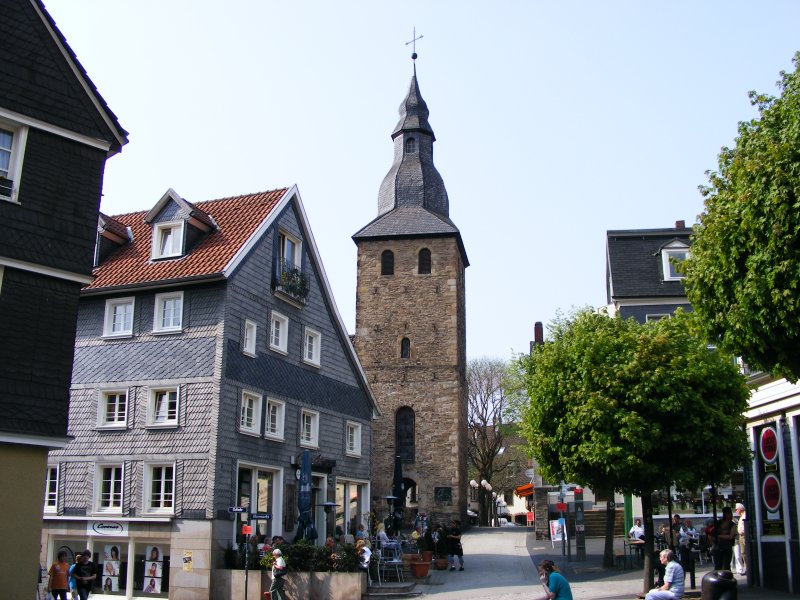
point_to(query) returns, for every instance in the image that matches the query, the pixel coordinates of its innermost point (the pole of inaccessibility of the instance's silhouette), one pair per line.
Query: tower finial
(414, 41)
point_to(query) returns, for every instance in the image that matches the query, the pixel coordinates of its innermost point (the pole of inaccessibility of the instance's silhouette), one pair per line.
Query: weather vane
(414, 41)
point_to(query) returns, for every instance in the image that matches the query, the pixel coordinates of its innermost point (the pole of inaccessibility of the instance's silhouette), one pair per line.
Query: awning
(524, 490)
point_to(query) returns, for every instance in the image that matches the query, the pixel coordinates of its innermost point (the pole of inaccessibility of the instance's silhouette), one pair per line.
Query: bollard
(719, 585)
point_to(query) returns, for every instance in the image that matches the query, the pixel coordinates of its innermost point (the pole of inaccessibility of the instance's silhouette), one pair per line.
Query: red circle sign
(769, 445)
(771, 492)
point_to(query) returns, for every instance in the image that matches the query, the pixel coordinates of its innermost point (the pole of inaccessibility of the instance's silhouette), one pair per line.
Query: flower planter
(319, 586)
(427, 556)
(420, 569)
(440, 564)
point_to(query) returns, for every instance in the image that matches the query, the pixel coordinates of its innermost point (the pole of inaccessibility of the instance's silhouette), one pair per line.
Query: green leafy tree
(743, 275)
(633, 408)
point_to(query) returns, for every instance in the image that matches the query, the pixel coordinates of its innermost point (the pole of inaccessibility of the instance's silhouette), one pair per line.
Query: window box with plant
(292, 283)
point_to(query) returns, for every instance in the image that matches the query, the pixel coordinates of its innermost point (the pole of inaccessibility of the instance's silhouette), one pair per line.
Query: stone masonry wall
(429, 311)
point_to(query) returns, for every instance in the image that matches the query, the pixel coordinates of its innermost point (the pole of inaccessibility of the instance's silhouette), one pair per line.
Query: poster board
(558, 531)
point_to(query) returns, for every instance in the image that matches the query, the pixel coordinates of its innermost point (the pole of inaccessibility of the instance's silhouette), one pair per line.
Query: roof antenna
(414, 41)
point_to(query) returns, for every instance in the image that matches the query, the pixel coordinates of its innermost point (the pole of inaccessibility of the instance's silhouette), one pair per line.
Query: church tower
(411, 328)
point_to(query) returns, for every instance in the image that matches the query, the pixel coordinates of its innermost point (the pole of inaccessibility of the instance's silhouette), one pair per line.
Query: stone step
(392, 589)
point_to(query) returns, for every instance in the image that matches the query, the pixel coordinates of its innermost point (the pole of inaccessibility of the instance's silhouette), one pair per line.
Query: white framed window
(159, 488)
(168, 315)
(289, 248)
(309, 428)
(163, 407)
(672, 256)
(656, 317)
(353, 438)
(113, 409)
(167, 240)
(119, 317)
(12, 148)
(249, 337)
(279, 332)
(312, 346)
(275, 418)
(250, 414)
(109, 488)
(51, 489)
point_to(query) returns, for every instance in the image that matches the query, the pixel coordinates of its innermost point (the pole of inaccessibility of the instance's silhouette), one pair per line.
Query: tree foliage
(743, 275)
(633, 408)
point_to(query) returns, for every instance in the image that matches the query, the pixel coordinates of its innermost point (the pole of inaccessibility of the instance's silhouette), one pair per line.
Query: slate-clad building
(209, 356)
(641, 276)
(56, 133)
(411, 327)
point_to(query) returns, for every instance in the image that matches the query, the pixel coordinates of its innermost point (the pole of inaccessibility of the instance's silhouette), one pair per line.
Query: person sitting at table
(637, 531)
(383, 539)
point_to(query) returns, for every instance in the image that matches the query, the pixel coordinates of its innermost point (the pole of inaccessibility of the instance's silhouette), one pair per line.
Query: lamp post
(494, 509)
(488, 490)
(474, 485)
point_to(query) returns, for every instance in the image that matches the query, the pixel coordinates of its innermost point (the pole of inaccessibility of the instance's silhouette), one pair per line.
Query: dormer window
(12, 145)
(672, 255)
(411, 146)
(168, 240)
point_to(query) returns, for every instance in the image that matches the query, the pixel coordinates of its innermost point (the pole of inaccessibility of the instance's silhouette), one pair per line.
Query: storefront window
(255, 489)
(112, 568)
(151, 570)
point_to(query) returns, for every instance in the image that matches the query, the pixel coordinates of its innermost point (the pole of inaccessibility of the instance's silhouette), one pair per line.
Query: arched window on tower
(411, 145)
(424, 262)
(387, 262)
(405, 348)
(404, 433)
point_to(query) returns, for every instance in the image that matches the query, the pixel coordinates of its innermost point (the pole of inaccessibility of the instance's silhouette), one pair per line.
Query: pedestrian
(85, 573)
(739, 555)
(673, 579)
(724, 538)
(637, 531)
(454, 548)
(278, 571)
(556, 587)
(73, 587)
(58, 582)
(364, 556)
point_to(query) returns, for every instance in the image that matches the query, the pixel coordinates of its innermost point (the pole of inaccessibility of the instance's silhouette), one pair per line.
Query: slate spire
(412, 180)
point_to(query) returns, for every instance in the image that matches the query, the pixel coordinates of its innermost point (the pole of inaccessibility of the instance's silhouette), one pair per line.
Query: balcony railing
(291, 282)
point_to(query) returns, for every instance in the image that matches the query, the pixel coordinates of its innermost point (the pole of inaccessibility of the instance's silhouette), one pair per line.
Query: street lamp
(488, 487)
(494, 508)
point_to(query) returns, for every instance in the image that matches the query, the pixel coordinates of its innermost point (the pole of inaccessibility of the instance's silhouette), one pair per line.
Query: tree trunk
(483, 518)
(608, 551)
(647, 509)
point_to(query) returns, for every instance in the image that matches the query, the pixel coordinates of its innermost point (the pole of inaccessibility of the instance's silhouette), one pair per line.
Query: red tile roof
(237, 219)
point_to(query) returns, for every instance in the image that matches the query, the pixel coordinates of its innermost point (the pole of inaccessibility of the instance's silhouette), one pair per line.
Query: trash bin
(719, 585)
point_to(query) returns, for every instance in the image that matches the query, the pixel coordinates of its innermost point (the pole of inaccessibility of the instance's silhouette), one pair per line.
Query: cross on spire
(414, 41)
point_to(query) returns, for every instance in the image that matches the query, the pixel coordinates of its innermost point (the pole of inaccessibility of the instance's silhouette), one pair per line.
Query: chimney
(538, 336)
(680, 224)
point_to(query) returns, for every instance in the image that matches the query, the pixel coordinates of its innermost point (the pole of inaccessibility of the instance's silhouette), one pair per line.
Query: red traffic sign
(768, 444)
(771, 492)
(247, 529)
(561, 507)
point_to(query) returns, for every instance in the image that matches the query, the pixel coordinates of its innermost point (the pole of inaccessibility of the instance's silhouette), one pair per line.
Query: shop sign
(107, 528)
(771, 493)
(768, 444)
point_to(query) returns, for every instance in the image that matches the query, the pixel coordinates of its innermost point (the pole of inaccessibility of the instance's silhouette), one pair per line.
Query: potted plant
(420, 568)
(426, 546)
(440, 552)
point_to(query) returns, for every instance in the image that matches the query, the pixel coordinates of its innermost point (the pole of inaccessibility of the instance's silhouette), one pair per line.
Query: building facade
(56, 133)
(410, 328)
(209, 356)
(642, 278)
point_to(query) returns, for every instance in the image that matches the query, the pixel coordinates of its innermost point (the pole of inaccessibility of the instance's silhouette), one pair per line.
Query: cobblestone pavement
(499, 564)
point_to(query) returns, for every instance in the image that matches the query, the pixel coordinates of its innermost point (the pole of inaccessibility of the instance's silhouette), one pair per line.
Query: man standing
(739, 555)
(85, 574)
(673, 579)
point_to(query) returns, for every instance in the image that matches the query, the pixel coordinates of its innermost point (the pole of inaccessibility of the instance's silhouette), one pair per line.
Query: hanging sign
(771, 492)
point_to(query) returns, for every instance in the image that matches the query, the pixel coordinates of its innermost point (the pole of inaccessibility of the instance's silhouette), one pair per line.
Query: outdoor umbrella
(305, 525)
(398, 491)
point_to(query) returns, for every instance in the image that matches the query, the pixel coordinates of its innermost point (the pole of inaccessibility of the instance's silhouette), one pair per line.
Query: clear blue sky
(554, 121)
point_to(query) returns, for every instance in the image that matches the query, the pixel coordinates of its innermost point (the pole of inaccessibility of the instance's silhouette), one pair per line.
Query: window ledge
(116, 336)
(248, 353)
(310, 445)
(115, 427)
(250, 433)
(279, 350)
(161, 425)
(116, 512)
(274, 437)
(167, 331)
(10, 200)
(311, 363)
(353, 454)
(159, 513)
